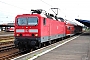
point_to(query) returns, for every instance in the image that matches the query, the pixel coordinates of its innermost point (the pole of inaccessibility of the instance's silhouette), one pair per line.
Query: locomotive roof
(43, 13)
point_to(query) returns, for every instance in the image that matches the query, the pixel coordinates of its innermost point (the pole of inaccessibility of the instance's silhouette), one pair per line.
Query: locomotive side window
(44, 21)
(32, 21)
(69, 28)
(22, 21)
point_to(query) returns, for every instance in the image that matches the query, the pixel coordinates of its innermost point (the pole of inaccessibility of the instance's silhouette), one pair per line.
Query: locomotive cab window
(22, 21)
(32, 21)
(27, 21)
(44, 21)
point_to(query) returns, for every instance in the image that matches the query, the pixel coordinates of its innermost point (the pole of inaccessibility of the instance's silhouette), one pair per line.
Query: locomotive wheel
(55, 41)
(37, 46)
(50, 42)
(44, 44)
(60, 39)
(23, 51)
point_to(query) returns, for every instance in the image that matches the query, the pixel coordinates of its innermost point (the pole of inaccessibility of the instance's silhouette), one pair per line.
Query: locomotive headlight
(17, 34)
(36, 34)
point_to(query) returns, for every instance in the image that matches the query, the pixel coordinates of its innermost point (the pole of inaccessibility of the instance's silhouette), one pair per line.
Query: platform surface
(77, 49)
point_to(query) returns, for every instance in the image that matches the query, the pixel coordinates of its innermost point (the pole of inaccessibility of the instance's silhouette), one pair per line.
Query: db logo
(27, 31)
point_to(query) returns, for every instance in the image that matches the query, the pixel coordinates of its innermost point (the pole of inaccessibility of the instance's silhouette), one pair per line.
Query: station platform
(77, 49)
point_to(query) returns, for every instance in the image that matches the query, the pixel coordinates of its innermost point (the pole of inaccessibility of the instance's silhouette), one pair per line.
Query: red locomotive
(32, 30)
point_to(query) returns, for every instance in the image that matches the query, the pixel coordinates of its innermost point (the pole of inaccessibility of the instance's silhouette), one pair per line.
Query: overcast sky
(69, 9)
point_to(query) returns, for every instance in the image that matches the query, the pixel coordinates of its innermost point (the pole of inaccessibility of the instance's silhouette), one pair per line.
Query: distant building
(4, 27)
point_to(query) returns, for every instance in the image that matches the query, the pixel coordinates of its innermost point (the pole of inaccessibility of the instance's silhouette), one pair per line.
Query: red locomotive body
(33, 29)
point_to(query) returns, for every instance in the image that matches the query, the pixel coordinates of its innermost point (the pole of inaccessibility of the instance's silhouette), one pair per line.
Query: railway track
(11, 54)
(8, 51)
(6, 47)
(36, 53)
(14, 53)
(6, 40)
(3, 32)
(6, 37)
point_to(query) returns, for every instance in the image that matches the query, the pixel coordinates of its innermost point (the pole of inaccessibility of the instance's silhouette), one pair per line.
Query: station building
(6, 27)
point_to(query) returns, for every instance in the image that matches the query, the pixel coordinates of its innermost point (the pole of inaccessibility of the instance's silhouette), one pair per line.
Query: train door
(49, 30)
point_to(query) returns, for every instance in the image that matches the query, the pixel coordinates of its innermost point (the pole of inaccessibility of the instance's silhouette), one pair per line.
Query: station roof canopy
(7, 25)
(85, 22)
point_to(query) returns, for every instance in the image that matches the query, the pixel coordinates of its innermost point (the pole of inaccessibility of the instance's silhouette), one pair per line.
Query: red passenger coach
(78, 29)
(32, 30)
(69, 29)
(72, 28)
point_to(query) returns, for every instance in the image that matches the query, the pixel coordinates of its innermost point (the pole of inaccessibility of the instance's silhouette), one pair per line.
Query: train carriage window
(44, 21)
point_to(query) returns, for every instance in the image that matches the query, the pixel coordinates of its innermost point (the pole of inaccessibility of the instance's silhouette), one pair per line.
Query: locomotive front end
(26, 31)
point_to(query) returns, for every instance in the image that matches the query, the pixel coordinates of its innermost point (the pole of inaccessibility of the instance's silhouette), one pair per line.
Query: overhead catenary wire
(52, 6)
(64, 14)
(46, 3)
(13, 5)
(24, 8)
(10, 13)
